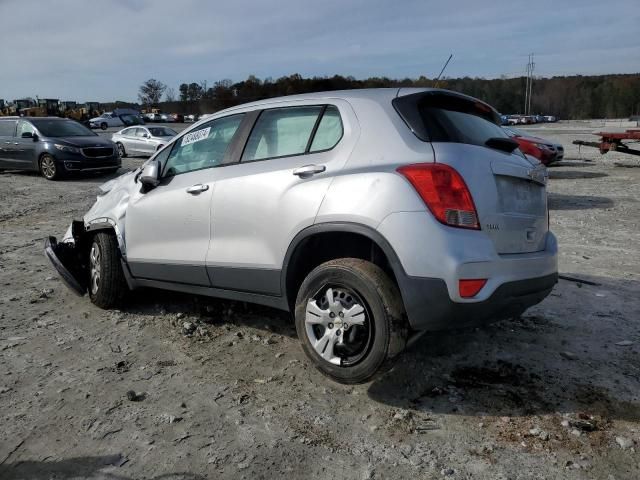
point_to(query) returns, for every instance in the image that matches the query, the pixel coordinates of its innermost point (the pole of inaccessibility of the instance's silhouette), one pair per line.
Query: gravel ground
(132, 394)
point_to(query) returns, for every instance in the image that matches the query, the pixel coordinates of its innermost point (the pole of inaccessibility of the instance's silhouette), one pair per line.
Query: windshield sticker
(194, 137)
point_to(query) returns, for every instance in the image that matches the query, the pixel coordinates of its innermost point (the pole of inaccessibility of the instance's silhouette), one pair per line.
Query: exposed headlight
(66, 148)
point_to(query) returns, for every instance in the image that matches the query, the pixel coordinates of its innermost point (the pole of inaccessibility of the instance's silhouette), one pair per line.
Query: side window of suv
(204, 147)
(329, 130)
(281, 132)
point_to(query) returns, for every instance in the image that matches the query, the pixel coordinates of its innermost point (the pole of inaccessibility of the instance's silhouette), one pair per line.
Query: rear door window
(439, 117)
(281, 132)
(7, 128)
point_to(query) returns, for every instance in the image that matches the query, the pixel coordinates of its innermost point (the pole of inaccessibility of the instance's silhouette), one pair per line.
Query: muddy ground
(554, 394)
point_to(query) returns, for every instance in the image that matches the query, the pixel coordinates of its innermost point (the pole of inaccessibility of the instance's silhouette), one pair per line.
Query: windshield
(162, 132)
(62, 128)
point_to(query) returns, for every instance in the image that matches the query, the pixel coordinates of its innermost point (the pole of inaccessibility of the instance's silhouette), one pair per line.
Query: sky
(103, 50)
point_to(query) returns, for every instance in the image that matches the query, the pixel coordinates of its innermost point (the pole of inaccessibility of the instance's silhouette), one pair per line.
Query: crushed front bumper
(64, 258)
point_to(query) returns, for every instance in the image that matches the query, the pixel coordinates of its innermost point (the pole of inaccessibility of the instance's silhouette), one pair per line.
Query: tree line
(567, 97)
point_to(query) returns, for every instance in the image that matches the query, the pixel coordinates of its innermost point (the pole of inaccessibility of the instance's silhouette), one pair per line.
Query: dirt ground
(554, 394)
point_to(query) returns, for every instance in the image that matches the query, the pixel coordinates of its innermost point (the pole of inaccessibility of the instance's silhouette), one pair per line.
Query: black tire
(384, 327)
(103, 126)
(121, 150)
(49, 168)
(108, 290)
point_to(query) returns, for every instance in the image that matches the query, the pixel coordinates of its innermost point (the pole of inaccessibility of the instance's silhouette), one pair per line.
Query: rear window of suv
(442, 117)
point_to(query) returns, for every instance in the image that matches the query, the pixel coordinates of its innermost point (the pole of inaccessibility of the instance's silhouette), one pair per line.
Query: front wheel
(107, 285)
(122, 153)
(350, 319)
(103, 126)
(48, 168)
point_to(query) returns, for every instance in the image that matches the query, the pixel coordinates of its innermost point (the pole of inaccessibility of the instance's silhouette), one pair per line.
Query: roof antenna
(442, 71)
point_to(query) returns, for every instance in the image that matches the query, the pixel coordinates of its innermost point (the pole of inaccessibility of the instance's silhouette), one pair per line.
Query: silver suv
(371, 215)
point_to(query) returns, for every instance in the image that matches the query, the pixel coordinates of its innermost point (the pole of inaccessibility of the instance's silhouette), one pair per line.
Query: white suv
(372, 215)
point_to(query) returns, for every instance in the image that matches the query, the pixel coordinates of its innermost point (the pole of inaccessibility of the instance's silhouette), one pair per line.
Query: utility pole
(528, 91)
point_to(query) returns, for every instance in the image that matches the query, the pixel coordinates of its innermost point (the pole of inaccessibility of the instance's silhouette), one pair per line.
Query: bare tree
(151, 91)
(170, 95)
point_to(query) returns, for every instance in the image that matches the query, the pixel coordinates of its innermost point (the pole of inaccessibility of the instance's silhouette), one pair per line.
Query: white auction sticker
(196, 136)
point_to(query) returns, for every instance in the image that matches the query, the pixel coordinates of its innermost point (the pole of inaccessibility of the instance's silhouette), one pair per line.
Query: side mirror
(150, 176)
(27, 135)
(146, 135)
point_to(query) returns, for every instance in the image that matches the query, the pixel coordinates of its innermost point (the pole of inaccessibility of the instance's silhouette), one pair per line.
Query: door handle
(199, 188)
(309, 170)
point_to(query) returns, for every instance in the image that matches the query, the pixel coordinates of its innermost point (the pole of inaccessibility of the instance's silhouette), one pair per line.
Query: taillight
(444, 192)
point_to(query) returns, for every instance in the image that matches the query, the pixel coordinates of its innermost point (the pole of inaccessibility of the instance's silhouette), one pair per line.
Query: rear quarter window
(441, 117)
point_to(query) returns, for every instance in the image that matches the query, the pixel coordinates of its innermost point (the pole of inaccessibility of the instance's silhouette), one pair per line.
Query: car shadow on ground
(79, 467)
(574, 174)
(150, 301)
(516, 368)
(560, 201)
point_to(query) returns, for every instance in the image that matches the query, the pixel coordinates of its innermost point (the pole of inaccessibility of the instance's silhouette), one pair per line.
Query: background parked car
(107, 119)
(142, 140)
(167, 118)
(178, 117)
(54, 146)
(545, 151)
(190, 118)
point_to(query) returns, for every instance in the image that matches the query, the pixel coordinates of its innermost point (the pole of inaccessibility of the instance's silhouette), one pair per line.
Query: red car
(544, 150)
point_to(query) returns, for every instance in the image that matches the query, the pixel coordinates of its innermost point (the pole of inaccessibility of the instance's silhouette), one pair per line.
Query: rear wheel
(48, 168)
(107, 285)
(349, 318)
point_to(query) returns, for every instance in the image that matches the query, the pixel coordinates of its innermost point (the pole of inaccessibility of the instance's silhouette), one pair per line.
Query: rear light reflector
(470, 288)
(444, 192)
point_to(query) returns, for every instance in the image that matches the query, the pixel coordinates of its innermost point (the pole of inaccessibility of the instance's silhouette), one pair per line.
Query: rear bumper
(429, 307)
(431, 270)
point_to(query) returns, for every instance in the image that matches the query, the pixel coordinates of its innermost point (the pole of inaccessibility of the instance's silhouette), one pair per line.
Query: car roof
(48, 118)
(378, 95)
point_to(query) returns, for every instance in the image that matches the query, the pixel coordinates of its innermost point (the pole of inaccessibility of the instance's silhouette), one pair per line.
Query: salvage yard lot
(553, 394)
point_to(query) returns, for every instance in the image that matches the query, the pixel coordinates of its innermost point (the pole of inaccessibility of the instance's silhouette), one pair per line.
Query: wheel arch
(106, 225)
(356, 240)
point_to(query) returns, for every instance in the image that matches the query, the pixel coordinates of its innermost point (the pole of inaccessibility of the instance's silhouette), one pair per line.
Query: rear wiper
(500, 143)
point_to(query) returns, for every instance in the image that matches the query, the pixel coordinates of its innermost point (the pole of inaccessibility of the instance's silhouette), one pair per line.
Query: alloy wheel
(48, 167)
(338, 325)
(94, 268)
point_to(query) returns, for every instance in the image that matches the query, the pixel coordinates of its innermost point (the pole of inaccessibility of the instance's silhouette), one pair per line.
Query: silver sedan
(142, 140)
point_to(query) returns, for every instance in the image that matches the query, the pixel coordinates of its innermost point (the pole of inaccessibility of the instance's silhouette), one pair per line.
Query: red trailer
(613, 141)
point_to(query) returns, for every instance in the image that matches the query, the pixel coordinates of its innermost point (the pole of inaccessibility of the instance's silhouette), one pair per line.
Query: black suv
(54, 146)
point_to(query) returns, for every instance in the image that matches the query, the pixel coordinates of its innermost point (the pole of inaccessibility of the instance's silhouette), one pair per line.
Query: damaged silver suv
(372, 215)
